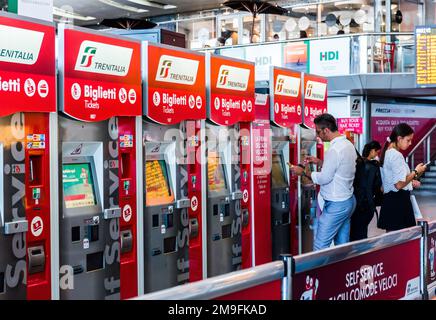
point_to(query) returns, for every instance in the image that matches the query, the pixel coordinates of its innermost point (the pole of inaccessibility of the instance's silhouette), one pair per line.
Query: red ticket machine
(100, 109)
(27, 123)
(230, 106)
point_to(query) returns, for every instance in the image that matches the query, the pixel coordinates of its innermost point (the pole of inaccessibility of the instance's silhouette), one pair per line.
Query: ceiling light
(154, 4)
(122, 6)
(68, 14)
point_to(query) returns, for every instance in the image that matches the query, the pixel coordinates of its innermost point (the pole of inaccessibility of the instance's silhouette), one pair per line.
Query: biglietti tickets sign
(231, 90)
(100, 75)
(27, 66)
(175, 86)
(286, 109)
(315, 98)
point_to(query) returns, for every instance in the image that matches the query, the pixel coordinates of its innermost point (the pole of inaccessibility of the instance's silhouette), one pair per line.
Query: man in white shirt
(336, 180)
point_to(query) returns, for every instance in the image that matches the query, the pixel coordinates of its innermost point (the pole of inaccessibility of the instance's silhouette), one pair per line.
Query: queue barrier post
(423, 260)
(286, 289)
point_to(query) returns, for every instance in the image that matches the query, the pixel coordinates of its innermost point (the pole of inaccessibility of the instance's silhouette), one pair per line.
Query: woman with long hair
(396, 209)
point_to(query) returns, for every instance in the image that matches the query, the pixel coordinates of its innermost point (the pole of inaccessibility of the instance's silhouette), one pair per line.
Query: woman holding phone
(396, 209)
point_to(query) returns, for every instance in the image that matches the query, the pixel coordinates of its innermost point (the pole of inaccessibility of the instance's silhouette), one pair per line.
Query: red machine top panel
(286, 98)
(315, 98)
(231, 91)
(175, 86)
(100, 75)
(27, 65)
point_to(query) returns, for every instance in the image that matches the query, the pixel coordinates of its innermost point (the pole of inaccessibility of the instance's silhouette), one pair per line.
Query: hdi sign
(329, 56)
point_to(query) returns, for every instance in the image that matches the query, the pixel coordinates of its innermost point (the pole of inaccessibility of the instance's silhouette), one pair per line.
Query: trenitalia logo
(87, 57)
(102, 58)
(315, 90)
(19, 45)
(177, 70)
(287, 86)
(233, 78)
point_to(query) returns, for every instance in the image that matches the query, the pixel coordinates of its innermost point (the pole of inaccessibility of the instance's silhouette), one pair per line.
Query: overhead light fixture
(123, 6)
(154, 4)
(72, 15)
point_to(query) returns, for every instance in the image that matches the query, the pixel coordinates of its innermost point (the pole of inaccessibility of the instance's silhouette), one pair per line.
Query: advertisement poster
(384, 117)
(387, 274)
(175, 84)
(231, 91)
(296, 56)
(330, 57)
(315, 98)
(354, 125)
(264, 56)
(100, 75)
(286, 101)
(27, 66)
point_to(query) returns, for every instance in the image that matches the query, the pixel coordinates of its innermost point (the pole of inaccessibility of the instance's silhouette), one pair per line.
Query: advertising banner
(330, 57)
(350, 124)
(264, 57)
(286, 109)
(174, 84)
(27, 66)
(295, 56)
(261, 138)
(231, 90)
(384, 117)
(387, 274)
(100, 75)
(315, 98)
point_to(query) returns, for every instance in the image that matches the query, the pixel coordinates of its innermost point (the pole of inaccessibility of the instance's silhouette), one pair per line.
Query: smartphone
(428, 163)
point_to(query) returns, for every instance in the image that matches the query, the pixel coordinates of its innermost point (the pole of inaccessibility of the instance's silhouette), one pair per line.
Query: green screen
(78, 185)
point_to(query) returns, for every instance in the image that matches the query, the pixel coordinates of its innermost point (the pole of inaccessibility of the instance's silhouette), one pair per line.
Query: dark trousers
(360, 220)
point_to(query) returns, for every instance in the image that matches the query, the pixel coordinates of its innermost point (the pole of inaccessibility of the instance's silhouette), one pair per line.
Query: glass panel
(229, 28)
(251, 32)
(281, 28)
(199, 33)
(305, 16)
(406, 15)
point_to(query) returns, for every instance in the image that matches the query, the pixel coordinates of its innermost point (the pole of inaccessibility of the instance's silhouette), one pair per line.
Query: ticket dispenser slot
(126, 241)
(36, 259)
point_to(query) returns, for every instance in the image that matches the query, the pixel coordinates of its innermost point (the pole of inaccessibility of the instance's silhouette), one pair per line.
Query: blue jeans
(334, 223)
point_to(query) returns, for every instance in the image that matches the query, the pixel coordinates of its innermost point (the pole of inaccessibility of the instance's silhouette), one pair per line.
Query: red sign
(315, 98)
(286, 98)
(27, 65)
(231, 90)
(175, 84)
(101, 75)
(387, 274)
(351, 125)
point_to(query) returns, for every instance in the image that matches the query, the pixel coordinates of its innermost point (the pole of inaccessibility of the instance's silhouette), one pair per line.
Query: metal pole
(423, 261)
(287, 279)
(428, 147)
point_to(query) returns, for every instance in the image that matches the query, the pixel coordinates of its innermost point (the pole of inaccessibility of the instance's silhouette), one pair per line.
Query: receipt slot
(100, 105)
(27, 122)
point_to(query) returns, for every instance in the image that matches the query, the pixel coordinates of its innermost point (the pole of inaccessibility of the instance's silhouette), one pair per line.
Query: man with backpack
(336, 184)
(367, 190)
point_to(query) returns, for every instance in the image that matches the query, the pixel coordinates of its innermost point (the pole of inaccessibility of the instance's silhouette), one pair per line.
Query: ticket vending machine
(286, 115)
(315, 103)
(100, 105)
(230, 88)
(27, 123)
(174, 110)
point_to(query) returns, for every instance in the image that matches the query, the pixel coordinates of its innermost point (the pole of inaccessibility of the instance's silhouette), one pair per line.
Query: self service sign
(174, 84)
(100, 75)
(231, 90)
(27, 65)
(286, 109)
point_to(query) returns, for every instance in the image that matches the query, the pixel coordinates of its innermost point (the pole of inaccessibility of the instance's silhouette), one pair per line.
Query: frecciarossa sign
(27, 65)
(231, 85)
(286, 109)
(315, 98)
(100, 75)
(174, 84)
